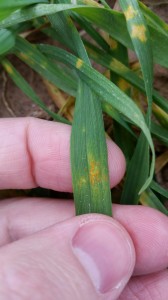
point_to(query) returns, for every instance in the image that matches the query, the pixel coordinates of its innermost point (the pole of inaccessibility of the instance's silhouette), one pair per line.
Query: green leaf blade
(89, 156)
(149, 198)
(139, 165)
(140, 37)
(107, 91)
(89, 165)
(109, 20)
(9, 6)
(7, 41)
(42, 65)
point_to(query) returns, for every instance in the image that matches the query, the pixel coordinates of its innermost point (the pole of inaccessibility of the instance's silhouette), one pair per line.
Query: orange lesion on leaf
(123, 85)
(113, 44)
(94, 172)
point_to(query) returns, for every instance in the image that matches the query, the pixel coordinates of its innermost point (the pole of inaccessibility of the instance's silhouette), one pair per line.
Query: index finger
(35, 153)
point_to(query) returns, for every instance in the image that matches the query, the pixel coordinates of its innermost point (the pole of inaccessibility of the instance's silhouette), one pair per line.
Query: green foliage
(9, 6)
(71, 71)
(7, 41)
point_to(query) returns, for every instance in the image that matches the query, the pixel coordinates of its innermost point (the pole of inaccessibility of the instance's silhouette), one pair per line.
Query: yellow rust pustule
(130, 13)
(113, 44)
(24, 56)
(94, 172)
(79, 63)
(139, 32)
(82, 181)
(8, 68)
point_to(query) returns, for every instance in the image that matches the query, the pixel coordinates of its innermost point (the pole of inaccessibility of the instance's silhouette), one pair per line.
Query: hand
(47, 253)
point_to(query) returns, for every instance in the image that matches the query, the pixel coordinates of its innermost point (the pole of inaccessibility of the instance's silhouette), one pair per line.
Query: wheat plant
(87, 32)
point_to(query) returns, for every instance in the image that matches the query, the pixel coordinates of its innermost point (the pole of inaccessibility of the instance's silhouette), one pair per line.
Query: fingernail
(105, 252)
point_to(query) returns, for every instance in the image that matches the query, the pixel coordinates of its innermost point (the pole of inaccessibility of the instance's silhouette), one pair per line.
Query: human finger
(147, 227)
(147, 287)
(85, 257)
(35, 153)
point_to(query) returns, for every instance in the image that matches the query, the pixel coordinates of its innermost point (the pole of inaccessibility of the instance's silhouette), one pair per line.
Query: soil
(13, 103)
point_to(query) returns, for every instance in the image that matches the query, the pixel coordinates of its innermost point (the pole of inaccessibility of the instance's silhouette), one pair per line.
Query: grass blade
(116, 66)
(114, 114)
(89, 156)
(148, 198)
(89, 166)
(154, 19)
(139, 34)
(111, 21)
(87, 26)
(159, 189)
(107, 91)
(5, 4)
(7, 41)
(160, 133)
(8, 6)
(37, 61)
(139, 165)
(137, 172)
(160, 115)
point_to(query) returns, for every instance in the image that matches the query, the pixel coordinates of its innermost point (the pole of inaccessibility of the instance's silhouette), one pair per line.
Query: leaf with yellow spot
(108, 92)
(110, 21)
(123, 71)
(94, 172)
(89, 155)
(7, 67)
(139, 32)
(113, 44)
(130, 12)
(149, 198)
(52, 72)
(154, 20)
(123, 85)
(79, 63)
(88, 145)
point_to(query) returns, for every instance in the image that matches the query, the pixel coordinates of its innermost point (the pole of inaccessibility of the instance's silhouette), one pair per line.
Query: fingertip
(54, 155)
(106, 252)
(116, 162)
(38, 153)
(148, 230)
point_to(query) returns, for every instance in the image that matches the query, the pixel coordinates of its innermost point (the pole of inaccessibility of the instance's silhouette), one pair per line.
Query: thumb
(86, 257)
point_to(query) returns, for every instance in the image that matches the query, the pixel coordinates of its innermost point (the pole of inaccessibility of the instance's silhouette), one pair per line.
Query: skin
(40, 239)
